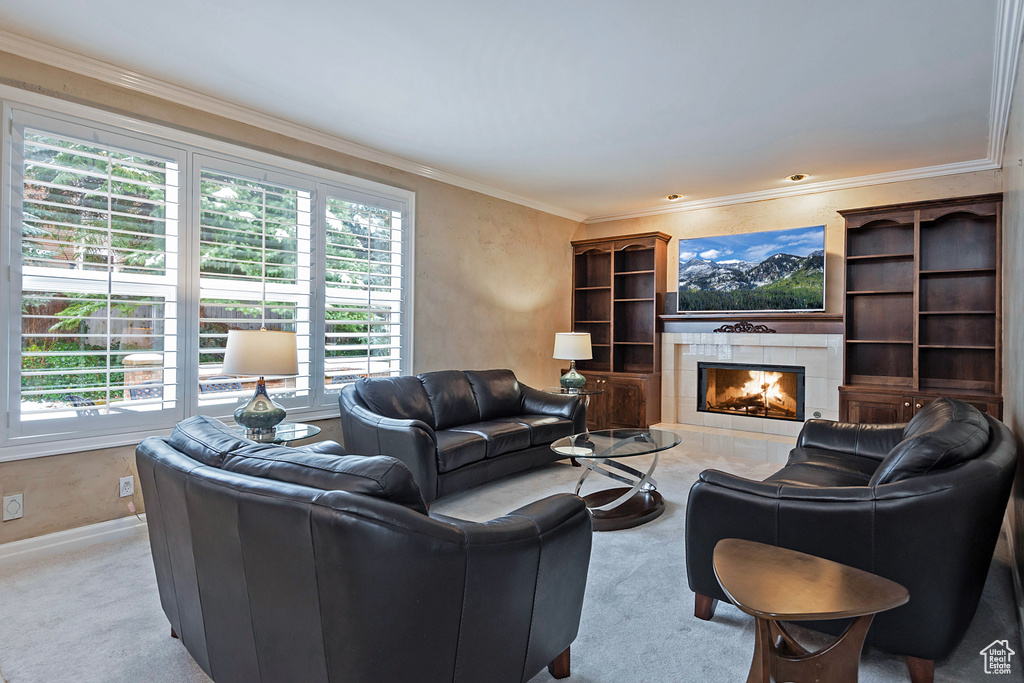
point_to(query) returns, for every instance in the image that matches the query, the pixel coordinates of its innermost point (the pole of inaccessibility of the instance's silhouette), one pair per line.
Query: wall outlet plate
(14, 507)
(127, 486)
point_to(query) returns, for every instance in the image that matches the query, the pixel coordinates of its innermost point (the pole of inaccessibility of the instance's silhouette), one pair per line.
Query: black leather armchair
(920, 504)
(456, 429)
(302, 564)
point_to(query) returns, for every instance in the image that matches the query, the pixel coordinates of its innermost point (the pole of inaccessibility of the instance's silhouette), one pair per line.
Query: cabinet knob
(907, 404)
(918, 405)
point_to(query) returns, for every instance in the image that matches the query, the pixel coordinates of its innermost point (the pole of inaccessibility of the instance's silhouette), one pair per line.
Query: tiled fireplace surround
(751, 437)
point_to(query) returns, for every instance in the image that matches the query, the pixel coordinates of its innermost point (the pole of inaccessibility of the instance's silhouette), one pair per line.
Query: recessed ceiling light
(797, 177)
(674, 197)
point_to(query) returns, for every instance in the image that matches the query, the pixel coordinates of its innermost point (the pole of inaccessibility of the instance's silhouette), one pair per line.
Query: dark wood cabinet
(618, 292)
(623, 402)
(888, 408)
(922, 308)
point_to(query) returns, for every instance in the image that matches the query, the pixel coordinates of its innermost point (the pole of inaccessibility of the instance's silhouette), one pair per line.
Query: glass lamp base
(572, 381)
(260, 414)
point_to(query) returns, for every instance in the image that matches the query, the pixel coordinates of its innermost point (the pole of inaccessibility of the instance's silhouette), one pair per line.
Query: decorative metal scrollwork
(746, 328)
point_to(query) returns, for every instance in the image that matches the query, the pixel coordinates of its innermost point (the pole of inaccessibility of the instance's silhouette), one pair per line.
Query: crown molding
(135, 81)
(1009, 30)
(812, 188)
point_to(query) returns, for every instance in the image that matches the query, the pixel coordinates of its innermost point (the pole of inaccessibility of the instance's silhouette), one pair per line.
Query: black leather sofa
(918, 503)
(301, 564)
(457, 429)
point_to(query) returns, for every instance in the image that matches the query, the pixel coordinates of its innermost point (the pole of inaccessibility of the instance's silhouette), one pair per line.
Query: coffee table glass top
(616, 443)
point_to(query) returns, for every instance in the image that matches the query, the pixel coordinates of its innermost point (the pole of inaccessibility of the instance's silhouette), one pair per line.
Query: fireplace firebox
(775, 392)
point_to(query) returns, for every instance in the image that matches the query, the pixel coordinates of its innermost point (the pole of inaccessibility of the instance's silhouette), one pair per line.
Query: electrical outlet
(14, 507)
(127, 487)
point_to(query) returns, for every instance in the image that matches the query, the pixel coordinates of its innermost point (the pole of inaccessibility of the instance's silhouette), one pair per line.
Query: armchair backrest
(946, 433)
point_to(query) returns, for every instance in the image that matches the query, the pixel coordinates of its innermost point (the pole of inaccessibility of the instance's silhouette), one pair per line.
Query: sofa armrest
(568, 406)
(786, 492)
(529, 521)
(411, 441)
(867, 440)
(529, 566)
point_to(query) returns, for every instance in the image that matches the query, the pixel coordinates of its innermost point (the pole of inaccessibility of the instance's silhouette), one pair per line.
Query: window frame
(80, 435)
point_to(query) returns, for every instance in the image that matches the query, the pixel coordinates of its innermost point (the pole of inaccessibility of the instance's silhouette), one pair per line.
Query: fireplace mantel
(784, 323)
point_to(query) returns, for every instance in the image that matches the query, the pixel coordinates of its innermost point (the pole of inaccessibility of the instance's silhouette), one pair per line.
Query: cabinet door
(874, 408)
(597, 406)
(993, 409)
(626, 403)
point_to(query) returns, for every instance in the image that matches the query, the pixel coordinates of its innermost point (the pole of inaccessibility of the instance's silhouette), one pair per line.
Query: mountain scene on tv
(780, 270)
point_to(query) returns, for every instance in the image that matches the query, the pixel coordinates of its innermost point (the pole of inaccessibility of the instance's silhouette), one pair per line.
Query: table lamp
(572, 346)
(260, 353)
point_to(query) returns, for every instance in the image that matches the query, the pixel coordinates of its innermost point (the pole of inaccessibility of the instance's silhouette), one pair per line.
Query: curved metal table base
(623, 507)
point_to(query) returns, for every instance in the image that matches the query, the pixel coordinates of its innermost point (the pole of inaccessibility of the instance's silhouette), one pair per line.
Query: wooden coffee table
(775, 584)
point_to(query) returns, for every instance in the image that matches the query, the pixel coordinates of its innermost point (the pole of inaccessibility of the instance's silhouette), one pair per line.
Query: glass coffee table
(599, 452)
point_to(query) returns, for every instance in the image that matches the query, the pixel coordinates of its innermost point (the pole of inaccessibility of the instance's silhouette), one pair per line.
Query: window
(363, 331)
(254, 271)
(99, 237)
(131, 253)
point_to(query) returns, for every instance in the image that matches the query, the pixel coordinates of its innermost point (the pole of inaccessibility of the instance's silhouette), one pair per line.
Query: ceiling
(597, 107)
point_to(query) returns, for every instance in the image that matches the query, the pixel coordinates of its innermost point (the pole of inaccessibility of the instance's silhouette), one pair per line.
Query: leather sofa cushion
(543, 428)
(945, 433)
(501, 437)
(497, 393)
(451, 397)
(379, 476)
(820, 467)
(455, 449)
(400, 398)
(205, 440)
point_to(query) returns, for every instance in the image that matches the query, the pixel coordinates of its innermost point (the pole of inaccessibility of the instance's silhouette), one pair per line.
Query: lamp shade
(260, 353)
(573, 346)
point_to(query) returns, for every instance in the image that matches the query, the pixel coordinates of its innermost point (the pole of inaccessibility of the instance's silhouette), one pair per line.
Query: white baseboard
(71, 539)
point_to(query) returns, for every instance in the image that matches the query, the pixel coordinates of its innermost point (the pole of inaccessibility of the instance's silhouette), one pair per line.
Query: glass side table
(284, 434)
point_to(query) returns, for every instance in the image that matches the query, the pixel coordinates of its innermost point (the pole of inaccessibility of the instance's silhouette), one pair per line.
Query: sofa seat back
(445, 398)
(208, 442)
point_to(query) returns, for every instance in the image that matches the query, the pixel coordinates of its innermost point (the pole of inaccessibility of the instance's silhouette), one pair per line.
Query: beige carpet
(94, 614)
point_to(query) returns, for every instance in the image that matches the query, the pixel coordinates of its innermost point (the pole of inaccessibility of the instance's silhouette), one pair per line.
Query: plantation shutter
(365, 305)
(255, 271)
(98, 272)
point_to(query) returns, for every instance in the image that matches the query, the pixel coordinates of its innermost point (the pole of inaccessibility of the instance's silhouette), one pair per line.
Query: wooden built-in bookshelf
(922, 309)
(618, 293)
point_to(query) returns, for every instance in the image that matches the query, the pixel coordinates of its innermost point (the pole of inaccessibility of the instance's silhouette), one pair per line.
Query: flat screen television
(772, 270)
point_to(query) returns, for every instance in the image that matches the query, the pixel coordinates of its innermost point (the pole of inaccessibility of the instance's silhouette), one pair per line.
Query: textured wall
(797, 212)
(492, 286)
(1013, 295)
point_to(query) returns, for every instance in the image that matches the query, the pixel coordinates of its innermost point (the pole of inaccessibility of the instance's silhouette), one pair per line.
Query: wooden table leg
(837, 663)
(761, 667)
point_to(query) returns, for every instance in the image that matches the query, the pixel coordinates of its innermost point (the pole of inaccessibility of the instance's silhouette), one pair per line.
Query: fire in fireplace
(767, 391)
